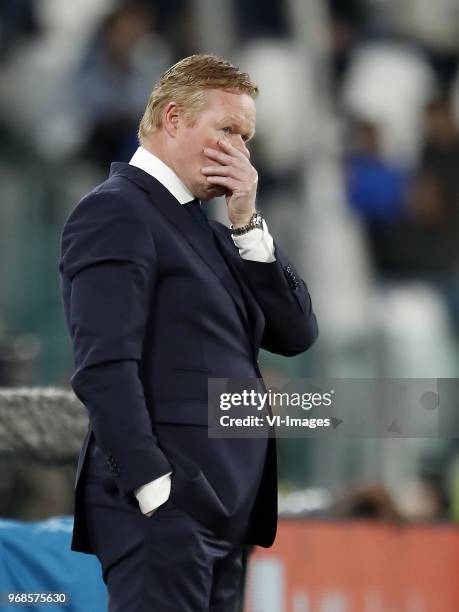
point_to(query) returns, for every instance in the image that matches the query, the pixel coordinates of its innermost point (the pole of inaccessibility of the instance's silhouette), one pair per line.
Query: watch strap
(256, 221)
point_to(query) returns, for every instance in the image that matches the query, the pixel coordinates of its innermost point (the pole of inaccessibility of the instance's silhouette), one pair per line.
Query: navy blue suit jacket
(155, 305)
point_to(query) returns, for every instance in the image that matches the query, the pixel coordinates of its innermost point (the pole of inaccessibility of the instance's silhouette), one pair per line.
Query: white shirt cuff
(151, 495)
(256, 245)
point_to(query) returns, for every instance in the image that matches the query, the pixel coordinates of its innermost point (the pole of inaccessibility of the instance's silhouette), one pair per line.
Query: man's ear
(171, 118)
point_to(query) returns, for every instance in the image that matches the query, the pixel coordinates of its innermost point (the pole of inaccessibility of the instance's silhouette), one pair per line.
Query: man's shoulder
(113, 187)
(111, 197)
(105, 220)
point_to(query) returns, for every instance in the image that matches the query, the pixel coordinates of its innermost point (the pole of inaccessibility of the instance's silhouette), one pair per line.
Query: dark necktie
(195, 209)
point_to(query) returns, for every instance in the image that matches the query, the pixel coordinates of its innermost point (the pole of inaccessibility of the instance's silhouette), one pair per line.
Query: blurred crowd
(357, 148)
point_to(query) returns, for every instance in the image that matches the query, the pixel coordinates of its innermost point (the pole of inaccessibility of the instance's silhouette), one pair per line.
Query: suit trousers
(168, 562)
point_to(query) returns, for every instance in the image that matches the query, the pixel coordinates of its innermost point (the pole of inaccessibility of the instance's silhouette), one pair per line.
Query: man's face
(226, 115)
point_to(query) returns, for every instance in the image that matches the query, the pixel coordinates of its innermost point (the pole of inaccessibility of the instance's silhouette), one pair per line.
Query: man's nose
(239, 143)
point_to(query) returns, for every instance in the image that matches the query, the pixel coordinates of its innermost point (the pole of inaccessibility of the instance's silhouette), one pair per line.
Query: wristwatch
(256, 221)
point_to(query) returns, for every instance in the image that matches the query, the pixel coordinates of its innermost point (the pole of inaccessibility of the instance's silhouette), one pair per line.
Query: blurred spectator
(260, 19)
(18, 20)
(367, 502)
(377, 191)
(114, 79)
(412, 222)
(176, 20)
(376, 187)
(439, 164)
(345, 19)
(435, 202)
(434, 224)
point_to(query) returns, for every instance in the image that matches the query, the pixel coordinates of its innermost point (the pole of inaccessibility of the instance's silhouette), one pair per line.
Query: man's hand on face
(232, 170)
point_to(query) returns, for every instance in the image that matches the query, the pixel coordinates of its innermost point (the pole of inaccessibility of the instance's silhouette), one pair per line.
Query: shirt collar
(154, 166)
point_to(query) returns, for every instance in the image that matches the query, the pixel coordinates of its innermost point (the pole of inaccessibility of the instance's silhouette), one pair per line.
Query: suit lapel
(233, 259)
(201, 241)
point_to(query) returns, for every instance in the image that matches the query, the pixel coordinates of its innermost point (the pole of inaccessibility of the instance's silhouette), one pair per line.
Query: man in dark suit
(158, 300)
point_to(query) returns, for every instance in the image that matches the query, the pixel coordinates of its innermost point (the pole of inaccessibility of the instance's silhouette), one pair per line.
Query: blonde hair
(186, 83)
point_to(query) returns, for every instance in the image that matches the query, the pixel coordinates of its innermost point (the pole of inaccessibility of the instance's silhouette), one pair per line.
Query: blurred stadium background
(357, 148)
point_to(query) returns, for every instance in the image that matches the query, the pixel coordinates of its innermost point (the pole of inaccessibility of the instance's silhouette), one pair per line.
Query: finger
(223, 171)
(230, 148)
(223, 181)
(228, 159)
(219, 156)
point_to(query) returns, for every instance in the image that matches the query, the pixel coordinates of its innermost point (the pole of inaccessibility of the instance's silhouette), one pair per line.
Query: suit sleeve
(109, 258)
(290, 323)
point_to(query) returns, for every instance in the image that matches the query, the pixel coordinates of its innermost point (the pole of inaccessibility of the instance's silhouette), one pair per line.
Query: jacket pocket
(180, 412)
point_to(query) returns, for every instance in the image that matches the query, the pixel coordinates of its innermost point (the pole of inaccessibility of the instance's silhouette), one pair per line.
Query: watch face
(257, 220)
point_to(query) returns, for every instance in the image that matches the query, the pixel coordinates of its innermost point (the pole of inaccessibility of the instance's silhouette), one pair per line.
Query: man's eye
(227, 130)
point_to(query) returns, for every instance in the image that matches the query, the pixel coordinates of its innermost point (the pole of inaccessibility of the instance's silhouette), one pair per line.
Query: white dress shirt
(256, 245)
